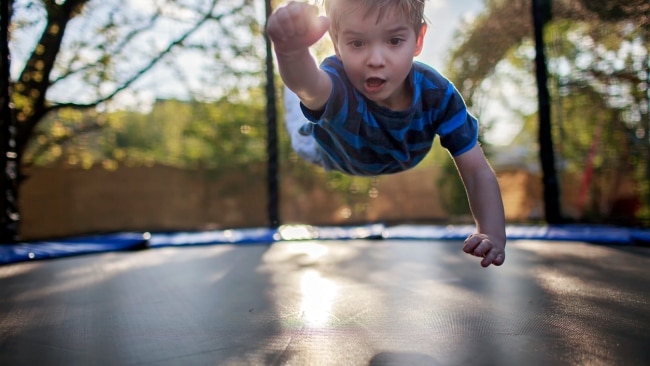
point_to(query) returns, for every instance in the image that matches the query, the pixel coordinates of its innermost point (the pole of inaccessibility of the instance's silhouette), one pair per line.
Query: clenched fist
(296, 26)
(480, 245)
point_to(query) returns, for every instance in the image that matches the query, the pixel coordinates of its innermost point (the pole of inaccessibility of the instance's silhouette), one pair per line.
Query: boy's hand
(480, 245)
(296, 26)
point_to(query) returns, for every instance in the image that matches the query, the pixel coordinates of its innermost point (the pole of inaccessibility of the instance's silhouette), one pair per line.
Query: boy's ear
(419, 43)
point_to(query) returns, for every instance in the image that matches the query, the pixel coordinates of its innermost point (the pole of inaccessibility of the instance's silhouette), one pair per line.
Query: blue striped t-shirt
(359, 137)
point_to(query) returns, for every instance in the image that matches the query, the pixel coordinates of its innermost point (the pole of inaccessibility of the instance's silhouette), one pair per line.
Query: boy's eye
(356, 44)
(395, 41)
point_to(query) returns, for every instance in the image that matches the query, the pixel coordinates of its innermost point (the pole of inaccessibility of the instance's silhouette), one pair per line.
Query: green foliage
(174, 133)
(620, 10)
(598, 66)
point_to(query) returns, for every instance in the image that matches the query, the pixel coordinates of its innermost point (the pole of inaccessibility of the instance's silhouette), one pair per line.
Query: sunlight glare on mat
(318, 296)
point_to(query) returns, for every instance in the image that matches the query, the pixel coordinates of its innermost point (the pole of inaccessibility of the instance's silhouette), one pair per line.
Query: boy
(373, 110)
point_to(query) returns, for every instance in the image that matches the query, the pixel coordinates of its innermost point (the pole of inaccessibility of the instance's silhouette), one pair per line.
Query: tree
(86, 54)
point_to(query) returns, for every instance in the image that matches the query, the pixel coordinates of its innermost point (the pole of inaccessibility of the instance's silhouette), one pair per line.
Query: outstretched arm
(293, 29)
(486, 204)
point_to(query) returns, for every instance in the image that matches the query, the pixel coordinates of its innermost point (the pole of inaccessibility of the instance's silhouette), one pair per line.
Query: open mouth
(374, 83)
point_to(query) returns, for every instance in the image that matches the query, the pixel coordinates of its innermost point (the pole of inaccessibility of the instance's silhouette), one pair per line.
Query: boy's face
(377, 54)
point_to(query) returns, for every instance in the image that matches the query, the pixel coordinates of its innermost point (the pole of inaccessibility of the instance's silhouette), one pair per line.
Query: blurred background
(153, 115)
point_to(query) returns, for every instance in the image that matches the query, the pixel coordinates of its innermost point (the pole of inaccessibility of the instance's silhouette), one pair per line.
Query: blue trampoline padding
(373, 231)
(28, 251)
(234, 236)
(308, 232)
(265, 235)
(586, 233)
(640, 236)
(592, 234)
(428, 232)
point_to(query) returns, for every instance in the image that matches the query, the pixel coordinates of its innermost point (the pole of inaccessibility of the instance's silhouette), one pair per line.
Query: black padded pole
(272, 133)
(541, 13)
(647, 115)
(9, 217)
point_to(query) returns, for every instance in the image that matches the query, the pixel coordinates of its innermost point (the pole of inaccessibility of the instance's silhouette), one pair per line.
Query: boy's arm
(485, 202)
(293, 29)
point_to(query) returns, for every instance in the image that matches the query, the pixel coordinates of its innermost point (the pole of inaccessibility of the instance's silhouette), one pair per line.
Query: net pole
(272, 133)
(541, 12)
(9, 217)
(647, 129)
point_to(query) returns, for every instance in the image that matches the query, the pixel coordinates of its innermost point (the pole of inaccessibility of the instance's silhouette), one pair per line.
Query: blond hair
(413, 10)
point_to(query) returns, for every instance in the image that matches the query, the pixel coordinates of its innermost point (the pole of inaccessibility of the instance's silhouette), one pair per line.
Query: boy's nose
(376, 57)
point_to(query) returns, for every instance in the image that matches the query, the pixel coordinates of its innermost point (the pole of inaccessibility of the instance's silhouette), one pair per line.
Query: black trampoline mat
(330, 303)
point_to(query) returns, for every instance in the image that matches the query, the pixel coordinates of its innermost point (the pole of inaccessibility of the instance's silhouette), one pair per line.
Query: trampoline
(370, 295)
(302, 295)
